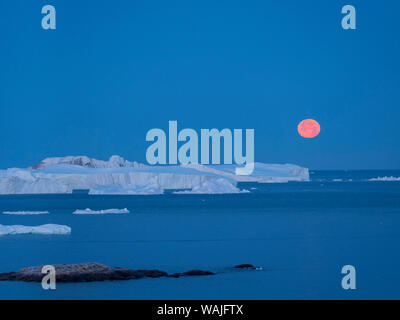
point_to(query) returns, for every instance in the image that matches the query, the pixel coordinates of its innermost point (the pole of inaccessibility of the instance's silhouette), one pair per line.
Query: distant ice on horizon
(25, 212)
(46, 229)
(385, 179)
(107, 211)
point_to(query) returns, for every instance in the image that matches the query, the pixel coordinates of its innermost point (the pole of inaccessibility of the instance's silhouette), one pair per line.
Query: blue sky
(112, 70)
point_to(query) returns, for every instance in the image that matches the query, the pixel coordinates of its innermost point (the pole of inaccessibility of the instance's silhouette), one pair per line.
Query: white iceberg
(118, 176)
(385, 179)
(46, 229)
(23, 213)
(216, 186)
(84, 161)
(262, 173)
(107, 211)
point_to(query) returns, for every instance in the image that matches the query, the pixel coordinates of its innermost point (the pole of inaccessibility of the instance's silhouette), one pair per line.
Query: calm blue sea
(302, 234)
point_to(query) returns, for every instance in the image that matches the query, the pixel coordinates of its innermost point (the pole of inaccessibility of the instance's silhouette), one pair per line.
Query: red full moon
(309, 128)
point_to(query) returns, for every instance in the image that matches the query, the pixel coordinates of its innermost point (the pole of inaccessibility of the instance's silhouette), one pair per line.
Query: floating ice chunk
(385, 179)
(46, 229)
(22, 213)
(89, 211)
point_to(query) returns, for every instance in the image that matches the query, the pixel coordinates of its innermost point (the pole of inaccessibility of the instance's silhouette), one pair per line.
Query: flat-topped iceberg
(263, 172)
(25, 213)
(107, 211)
(46, 229)
(118, 176)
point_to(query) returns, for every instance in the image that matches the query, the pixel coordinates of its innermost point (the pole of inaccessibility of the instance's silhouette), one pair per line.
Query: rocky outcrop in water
(245, 266)
(191, 273)
(82, 272)
(88, 272)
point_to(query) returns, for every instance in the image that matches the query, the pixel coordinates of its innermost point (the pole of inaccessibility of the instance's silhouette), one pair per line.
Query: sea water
(300, 233)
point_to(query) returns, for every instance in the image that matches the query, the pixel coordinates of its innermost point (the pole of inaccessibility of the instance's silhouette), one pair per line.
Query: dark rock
(198, 273)
(153, 273)
(9, 276)
(82, 272)
(244, 266)
(88, 272)
(175, 275)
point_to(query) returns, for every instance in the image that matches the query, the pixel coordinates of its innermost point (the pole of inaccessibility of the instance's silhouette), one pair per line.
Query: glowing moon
(309, 128)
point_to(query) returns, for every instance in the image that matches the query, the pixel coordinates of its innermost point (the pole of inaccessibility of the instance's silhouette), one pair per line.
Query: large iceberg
(118, 176)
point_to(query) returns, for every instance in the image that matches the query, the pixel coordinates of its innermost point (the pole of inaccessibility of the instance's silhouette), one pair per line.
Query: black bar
(236, 309)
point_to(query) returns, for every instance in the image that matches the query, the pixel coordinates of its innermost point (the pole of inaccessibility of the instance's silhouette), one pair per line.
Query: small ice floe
(46, 229)
(108, 211)
(23, 213)
(385, 179)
